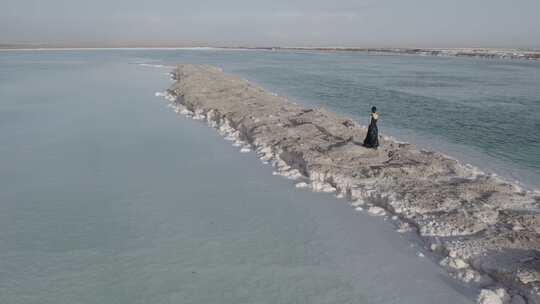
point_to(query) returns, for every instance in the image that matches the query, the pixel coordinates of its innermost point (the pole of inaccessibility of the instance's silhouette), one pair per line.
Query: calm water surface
(107, 197)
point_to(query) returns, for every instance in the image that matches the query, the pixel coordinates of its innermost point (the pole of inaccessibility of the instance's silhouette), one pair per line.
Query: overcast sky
(360, 23)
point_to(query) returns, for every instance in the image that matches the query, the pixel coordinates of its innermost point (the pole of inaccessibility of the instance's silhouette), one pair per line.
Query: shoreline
(487, 229)
(487, 53)
(29, 49)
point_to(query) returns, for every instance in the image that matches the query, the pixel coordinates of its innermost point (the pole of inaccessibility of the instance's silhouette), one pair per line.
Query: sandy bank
(487, 230)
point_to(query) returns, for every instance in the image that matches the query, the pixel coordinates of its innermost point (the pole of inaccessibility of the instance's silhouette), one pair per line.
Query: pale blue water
(107, 197)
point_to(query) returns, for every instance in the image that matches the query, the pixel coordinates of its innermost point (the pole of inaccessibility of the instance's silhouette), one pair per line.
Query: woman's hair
(373, 109)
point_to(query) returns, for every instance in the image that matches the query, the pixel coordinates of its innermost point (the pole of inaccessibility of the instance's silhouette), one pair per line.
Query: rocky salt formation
(486, 230)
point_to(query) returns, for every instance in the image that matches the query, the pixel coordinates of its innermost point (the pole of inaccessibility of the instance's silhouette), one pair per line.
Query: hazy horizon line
(52, 46)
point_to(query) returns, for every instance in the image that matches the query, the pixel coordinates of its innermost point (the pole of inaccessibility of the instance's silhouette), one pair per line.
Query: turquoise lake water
(108, 197)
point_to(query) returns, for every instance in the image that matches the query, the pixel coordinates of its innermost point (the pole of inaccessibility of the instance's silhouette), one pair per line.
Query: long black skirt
(372, 137)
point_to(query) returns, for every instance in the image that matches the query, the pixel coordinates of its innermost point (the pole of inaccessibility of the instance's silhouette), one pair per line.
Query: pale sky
(360, 23)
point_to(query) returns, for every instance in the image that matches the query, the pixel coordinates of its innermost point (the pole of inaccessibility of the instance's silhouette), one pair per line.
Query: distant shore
(39, 48)
(456, 52)
(505, 53)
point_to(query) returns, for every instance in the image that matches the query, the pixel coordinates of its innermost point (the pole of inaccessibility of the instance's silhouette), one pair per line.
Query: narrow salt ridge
(465, 257)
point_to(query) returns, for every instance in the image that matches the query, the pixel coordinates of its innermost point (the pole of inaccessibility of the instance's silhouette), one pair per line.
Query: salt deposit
(489, 227)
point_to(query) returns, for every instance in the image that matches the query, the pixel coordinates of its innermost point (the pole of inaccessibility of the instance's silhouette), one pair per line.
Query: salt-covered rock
(455, 263)
(245, 149)
(488, 296)
(377, 211)
(527, 276)
(322, 187)
(503, 295)
(302, 185)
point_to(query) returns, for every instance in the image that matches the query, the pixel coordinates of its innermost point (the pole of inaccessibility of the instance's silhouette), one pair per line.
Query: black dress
(372, 137)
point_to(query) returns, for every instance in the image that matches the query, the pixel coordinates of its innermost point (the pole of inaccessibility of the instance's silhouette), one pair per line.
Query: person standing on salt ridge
(372, 137)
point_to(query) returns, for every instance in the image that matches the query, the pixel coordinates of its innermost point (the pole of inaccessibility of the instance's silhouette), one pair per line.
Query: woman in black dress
(372, 137)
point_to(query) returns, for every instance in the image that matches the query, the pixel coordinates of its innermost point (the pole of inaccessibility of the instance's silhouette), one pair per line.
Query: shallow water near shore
(107, 197)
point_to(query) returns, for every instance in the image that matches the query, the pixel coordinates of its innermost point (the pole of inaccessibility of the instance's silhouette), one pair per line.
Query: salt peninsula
(485, 230)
